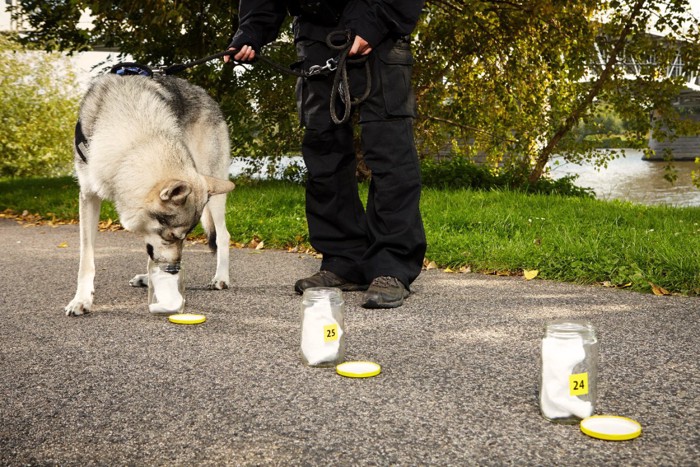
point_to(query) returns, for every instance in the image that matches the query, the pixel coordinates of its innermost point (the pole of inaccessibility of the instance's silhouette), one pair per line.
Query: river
(632, 178)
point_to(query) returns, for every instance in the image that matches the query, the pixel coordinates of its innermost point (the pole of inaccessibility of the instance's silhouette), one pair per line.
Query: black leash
(341, 84)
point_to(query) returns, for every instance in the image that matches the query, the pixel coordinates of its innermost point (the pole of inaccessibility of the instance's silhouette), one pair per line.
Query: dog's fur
(159, 149)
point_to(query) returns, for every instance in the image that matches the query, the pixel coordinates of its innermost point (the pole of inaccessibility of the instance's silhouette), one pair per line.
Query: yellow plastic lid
(360, 369)
(611, 427)
(187, 318)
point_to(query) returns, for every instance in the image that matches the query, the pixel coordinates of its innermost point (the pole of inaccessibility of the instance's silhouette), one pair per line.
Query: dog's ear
(217, 186)
(175, 192)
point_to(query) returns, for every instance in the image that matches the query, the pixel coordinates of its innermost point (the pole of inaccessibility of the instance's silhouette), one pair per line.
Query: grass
(570, 239)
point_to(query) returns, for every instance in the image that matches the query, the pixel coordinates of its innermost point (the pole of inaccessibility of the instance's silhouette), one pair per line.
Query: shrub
(38, 108)
(459, 172)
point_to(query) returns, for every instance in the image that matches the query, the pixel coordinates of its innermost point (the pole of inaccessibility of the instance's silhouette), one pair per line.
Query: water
(633, 179)
(630, 178)
(241, 167)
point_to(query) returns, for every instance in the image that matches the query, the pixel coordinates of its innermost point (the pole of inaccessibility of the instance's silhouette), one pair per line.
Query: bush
(38, 109)
(459, 172)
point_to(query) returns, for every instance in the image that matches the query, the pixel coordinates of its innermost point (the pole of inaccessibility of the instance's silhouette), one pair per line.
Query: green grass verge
(568, 239)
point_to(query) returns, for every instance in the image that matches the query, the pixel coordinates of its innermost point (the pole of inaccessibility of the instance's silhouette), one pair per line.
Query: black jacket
(373, 20)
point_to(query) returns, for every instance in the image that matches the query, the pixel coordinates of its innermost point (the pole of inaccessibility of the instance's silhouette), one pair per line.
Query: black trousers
(386, 238)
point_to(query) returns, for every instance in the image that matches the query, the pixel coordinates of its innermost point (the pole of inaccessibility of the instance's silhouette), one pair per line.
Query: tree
(38, 108)
(510, 80)
(506, 80)
(259, 105)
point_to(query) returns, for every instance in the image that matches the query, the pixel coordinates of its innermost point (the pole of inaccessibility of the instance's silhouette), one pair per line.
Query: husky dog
(158, 148)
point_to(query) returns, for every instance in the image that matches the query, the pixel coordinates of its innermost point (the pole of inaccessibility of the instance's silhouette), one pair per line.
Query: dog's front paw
(218, 284)
(78, 307)
(139, 280)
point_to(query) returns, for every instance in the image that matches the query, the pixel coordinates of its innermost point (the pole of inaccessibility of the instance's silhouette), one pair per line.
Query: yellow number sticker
(578, 384)
(330, 333)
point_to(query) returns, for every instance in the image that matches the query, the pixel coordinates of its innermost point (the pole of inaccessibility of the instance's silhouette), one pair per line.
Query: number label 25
(330, 333)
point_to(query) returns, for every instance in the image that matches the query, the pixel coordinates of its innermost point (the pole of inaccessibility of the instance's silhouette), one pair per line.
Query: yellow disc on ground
(358, 369)
(187, 318)
(611, 427)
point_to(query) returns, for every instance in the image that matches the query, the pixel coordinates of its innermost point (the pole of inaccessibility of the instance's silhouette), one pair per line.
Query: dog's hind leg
(89, 205)
(214, 222)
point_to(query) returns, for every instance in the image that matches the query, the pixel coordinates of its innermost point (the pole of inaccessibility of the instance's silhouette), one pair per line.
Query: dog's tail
(209, 229)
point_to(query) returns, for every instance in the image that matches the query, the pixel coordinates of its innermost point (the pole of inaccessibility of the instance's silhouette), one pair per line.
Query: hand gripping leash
(336, 40)
(341, 84)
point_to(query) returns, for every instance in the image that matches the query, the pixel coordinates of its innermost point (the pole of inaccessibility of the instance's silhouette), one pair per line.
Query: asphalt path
(458, 384)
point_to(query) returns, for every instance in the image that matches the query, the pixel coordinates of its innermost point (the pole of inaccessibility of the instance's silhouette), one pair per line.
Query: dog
(158, 148)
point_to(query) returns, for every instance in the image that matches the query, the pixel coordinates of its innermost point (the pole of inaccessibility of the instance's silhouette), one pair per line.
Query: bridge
(687, 103)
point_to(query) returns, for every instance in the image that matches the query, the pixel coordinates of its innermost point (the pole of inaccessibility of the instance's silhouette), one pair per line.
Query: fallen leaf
(431, 265)
(658, 290)
(530, 274)
(260, 245)
(62, 245)
(449, 270)
(465, 269)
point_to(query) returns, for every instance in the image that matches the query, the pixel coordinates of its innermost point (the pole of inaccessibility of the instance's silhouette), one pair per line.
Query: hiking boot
(385, 292)
(327, 279)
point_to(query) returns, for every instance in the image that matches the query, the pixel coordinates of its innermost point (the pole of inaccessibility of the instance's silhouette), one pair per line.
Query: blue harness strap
(131, 69)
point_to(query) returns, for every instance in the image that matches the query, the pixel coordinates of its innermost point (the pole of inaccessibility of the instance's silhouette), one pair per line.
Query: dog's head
(172, 210)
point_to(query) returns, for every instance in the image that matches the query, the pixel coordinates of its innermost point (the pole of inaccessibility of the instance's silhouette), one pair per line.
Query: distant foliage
(38, 108)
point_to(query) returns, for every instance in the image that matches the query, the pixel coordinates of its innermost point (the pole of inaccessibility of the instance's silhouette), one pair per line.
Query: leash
(340, 41)
(341, 83)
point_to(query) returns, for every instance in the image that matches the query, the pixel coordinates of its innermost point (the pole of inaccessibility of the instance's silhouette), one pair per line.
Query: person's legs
(393, 213)
(334, 212)
(395, 228)
(335, 215)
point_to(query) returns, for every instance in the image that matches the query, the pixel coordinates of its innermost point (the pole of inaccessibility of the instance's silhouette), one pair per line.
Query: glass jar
(322, 327)
(569, 371)
(166, 288)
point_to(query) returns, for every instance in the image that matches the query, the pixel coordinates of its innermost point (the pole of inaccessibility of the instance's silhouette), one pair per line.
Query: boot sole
(374, 304)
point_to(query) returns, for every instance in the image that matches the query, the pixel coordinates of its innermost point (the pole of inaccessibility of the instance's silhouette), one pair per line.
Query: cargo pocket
(396, 71)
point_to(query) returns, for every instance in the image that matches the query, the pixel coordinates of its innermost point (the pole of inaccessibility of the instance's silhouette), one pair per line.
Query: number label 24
(578, 384)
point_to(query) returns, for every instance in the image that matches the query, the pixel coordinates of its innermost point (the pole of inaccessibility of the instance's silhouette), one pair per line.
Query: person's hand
(360, 47)
(246, 54)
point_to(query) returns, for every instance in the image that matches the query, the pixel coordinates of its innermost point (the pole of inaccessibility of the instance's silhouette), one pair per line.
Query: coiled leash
(341, 83)
(340, 41)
